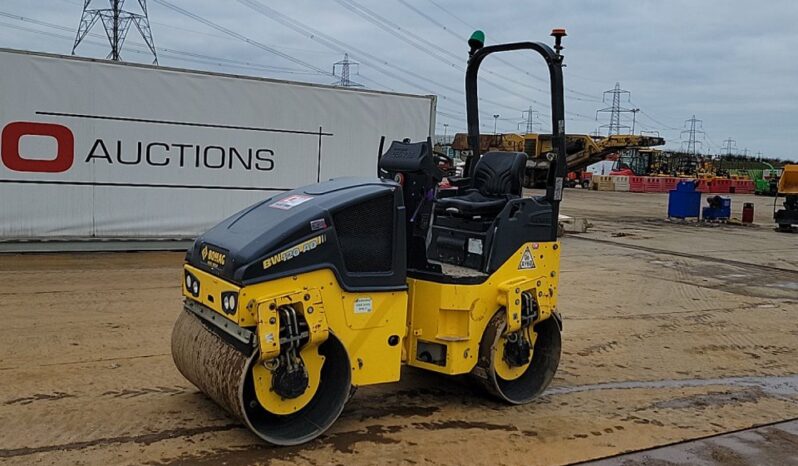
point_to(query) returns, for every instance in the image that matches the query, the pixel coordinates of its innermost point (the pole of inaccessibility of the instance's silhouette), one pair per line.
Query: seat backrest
(500, 173)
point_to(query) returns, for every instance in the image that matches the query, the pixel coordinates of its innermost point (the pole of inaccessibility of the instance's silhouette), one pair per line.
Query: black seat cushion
(473, 203)
(498, 177)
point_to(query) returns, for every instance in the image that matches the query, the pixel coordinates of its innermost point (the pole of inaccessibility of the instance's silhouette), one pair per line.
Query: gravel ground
(672, 332)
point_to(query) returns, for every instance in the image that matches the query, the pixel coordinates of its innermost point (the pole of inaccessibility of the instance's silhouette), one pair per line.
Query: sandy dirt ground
(771, 444)
(672, 332)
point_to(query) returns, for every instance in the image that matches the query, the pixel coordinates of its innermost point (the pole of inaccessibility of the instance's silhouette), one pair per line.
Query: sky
(730, 63)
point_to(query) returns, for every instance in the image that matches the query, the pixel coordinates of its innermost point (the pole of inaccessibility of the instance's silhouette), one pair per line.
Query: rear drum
(538, 374)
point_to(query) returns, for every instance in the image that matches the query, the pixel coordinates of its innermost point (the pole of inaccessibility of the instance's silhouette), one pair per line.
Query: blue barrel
(684, 201)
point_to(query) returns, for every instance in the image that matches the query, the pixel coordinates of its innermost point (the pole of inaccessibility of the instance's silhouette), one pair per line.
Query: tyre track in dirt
(145, 439)
(718, 260)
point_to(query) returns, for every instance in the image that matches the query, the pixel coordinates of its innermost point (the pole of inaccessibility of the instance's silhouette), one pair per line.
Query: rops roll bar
(554, 60)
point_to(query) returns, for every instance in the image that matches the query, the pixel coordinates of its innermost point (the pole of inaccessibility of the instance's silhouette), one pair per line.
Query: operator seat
(498, 177)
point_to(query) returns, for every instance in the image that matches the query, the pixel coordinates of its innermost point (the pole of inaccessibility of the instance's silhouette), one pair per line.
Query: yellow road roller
(297, 300)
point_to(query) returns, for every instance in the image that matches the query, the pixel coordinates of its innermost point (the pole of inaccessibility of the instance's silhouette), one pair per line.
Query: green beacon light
(476, 41)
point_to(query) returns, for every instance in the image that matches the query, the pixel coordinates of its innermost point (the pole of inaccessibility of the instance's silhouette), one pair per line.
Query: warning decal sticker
(527, 262)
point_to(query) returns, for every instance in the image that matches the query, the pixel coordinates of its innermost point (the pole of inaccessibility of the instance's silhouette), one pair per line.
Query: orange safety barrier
(703, 185)
(743, 186)
(669, 183)
(721, 185)
(637, 184)
(652, 184)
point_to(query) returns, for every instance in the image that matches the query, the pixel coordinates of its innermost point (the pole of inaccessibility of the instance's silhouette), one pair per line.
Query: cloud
(731, 63)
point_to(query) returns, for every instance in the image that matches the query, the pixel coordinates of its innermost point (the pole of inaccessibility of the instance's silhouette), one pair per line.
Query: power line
(615, 110)
(229, 62)
(44, 33)
(242, 37)
(636, 122)
(168, 51)
(421, 44)
(345, 64)
(585, 98)
(658, 122)
(378, 84)
(651, 117)
(341, 47)
(695, 128)
(711, 142)
(361, 55)
(207, 33)
(217, 61)
(176, 54)
(41, 23)
(531, 119)
(730, 144)
(376, 62)
(452, 15)
(116, 22)
(400, 33)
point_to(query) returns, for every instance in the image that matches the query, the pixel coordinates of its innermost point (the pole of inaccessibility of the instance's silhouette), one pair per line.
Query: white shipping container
(97, 149)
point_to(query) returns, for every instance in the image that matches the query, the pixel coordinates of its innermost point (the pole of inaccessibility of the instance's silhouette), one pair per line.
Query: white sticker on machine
(289, 202)
(363, 305)
(527, 262)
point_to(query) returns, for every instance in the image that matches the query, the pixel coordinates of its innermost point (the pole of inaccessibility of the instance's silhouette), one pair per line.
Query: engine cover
(354, 226)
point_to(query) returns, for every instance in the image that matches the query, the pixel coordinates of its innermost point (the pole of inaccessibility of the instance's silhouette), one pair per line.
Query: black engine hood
(239, 248)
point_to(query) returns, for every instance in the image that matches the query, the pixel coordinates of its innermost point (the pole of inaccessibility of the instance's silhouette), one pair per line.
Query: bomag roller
(295, 301)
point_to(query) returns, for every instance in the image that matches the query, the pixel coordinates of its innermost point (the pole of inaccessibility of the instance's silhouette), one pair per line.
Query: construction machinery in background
(788, 188)
(632, 155)
(505, 142)
(764, 175)
(582, 149)
(294, 302)
(647, 161)
(638, 161)
(766, 181)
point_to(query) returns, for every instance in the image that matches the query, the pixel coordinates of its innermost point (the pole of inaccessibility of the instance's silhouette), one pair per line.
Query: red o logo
(65, 152)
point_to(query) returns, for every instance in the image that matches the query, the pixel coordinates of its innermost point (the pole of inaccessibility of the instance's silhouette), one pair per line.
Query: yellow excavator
(297, 300)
